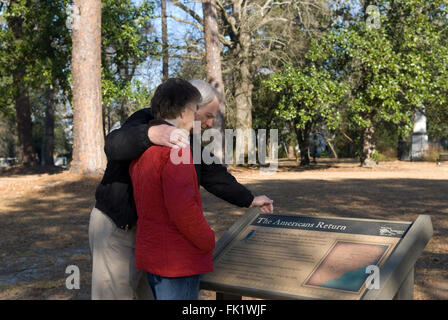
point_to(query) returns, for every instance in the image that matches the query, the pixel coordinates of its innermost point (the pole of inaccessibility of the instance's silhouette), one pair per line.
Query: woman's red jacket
(173, 237)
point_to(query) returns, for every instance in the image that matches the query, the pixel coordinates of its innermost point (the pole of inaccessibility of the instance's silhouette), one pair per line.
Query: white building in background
(60, 161)
(419, 137)
(6, 162)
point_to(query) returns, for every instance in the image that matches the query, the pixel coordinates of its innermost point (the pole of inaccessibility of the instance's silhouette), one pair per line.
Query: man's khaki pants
(114, 275)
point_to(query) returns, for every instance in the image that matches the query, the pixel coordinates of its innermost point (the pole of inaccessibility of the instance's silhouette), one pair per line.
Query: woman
(174, 241)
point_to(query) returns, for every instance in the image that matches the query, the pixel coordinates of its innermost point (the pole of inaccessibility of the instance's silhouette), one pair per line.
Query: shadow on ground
(42, 234)
(20, 170)
(47, 230)
(387, 199)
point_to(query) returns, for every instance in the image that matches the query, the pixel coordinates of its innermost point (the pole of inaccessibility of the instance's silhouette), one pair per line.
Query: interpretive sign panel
(296, 256)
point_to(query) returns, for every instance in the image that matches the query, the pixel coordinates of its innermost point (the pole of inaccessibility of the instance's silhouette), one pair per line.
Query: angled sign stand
(284, 256)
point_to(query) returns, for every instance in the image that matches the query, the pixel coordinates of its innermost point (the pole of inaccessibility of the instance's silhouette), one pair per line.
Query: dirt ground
(44, 217)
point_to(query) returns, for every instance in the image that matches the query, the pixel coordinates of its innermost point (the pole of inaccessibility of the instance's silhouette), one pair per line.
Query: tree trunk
(24, 127)
(243, 90)
(303, 138)
(125, 110)
(164, 43)
(48, 148)
(88, 139)
(402, 149)
(213, 50)
(333, 151)
(213, 46)
(243, 101)
(368, 147)
(22, 101)
(291, 152)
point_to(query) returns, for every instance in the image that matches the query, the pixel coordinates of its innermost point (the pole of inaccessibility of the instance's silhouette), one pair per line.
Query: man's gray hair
(208, 92)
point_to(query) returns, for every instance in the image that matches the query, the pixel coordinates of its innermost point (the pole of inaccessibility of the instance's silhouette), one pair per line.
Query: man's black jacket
(114, 195)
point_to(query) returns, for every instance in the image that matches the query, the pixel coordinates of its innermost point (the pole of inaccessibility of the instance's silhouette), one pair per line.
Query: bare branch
(266, 21)
(347, 137)
(229, 19)
(224, 41)
(197, 25)
(266, 5)
(193, 14)
(185, 56)
(270, 39)
(190, 47)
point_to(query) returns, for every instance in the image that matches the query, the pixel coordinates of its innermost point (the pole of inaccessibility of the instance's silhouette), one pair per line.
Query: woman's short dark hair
(171, 98)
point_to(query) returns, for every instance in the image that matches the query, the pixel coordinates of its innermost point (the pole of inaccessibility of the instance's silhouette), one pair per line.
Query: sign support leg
(406, 290)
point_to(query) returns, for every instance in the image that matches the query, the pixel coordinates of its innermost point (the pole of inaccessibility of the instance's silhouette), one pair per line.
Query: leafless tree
(257, 35)
(213, 48)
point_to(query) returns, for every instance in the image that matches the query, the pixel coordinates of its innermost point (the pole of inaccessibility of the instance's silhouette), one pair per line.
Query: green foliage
(43, 54)
(394, 70)
(265, 104)
(35, 48)
(375, 156)
(125, 35)
(6, 96)
(307, 95)
(126, 44)
(42, 50)
(306, 98)
(375, 75)
(354, 76)
(419, 31)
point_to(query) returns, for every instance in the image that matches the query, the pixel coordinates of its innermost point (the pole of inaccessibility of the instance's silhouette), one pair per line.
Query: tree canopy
(357, 71)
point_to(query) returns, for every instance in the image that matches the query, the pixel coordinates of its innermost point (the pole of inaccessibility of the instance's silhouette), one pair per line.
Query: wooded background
(355, 72)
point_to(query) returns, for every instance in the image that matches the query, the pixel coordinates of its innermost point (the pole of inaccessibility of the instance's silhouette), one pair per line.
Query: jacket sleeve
(217, 180)
(179, 185)
(131, 140)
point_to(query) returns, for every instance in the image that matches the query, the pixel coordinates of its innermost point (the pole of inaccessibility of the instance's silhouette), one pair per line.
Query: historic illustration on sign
(344, 267)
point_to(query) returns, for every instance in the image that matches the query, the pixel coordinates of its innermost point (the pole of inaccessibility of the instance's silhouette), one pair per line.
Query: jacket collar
(159, 122)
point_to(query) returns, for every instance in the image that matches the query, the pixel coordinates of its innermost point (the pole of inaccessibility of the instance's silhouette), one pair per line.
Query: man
(112, 231)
